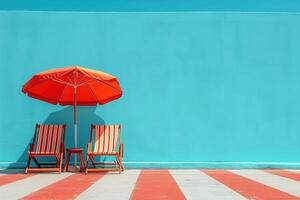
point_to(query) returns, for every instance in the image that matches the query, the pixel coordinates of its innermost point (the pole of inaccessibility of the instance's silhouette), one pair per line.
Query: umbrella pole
(75, 127)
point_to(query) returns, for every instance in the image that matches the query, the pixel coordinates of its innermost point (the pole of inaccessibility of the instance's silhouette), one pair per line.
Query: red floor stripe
(287, 174)
(248, 188)
(9, 178)
(156, 184)
(67, 188)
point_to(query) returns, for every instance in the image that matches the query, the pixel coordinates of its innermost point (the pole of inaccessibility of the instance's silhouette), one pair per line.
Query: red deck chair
(48, 141)
(103, 142)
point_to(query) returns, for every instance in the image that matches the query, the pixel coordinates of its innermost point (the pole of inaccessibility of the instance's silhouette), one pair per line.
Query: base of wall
(213, 165)
(188, 165)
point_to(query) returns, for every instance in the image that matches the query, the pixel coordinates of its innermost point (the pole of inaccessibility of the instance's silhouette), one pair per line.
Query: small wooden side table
(74, 151)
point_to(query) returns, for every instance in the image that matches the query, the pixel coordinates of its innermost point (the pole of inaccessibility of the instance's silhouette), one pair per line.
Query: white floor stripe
(280, 183)
(112, 186)
(23, 187)
(197, 185)
(294, 170)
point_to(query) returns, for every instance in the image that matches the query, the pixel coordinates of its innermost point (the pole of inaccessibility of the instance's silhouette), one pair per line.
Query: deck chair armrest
(89, 146)
(62, 148)
(121, 147)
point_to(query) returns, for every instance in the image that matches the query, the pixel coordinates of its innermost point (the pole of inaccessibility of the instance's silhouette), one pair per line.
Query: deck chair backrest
(105, 138)
(48, 138)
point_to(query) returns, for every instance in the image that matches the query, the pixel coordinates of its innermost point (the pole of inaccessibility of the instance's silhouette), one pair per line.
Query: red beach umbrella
(74, 86)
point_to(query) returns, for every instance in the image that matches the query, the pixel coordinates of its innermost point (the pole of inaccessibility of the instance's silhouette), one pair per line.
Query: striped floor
(154, 184)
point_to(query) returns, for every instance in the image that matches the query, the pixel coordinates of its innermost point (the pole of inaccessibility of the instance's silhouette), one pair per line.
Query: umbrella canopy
(73, 85)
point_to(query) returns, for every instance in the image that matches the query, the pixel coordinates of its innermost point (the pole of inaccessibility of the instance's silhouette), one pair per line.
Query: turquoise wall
(153, 5)
(211, 89)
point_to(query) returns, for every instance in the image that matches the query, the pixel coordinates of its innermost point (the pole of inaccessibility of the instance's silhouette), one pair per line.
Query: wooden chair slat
(48, 140)
(103, 142)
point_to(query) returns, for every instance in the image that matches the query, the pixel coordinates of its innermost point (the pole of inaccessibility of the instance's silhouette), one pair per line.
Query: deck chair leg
(93, 162)
(28, 164)
(60, 162)
(36, 162)
(122, 166)
(87, 164)
(119, 164)
(67, 162)
(57, 161)
(120, 161)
